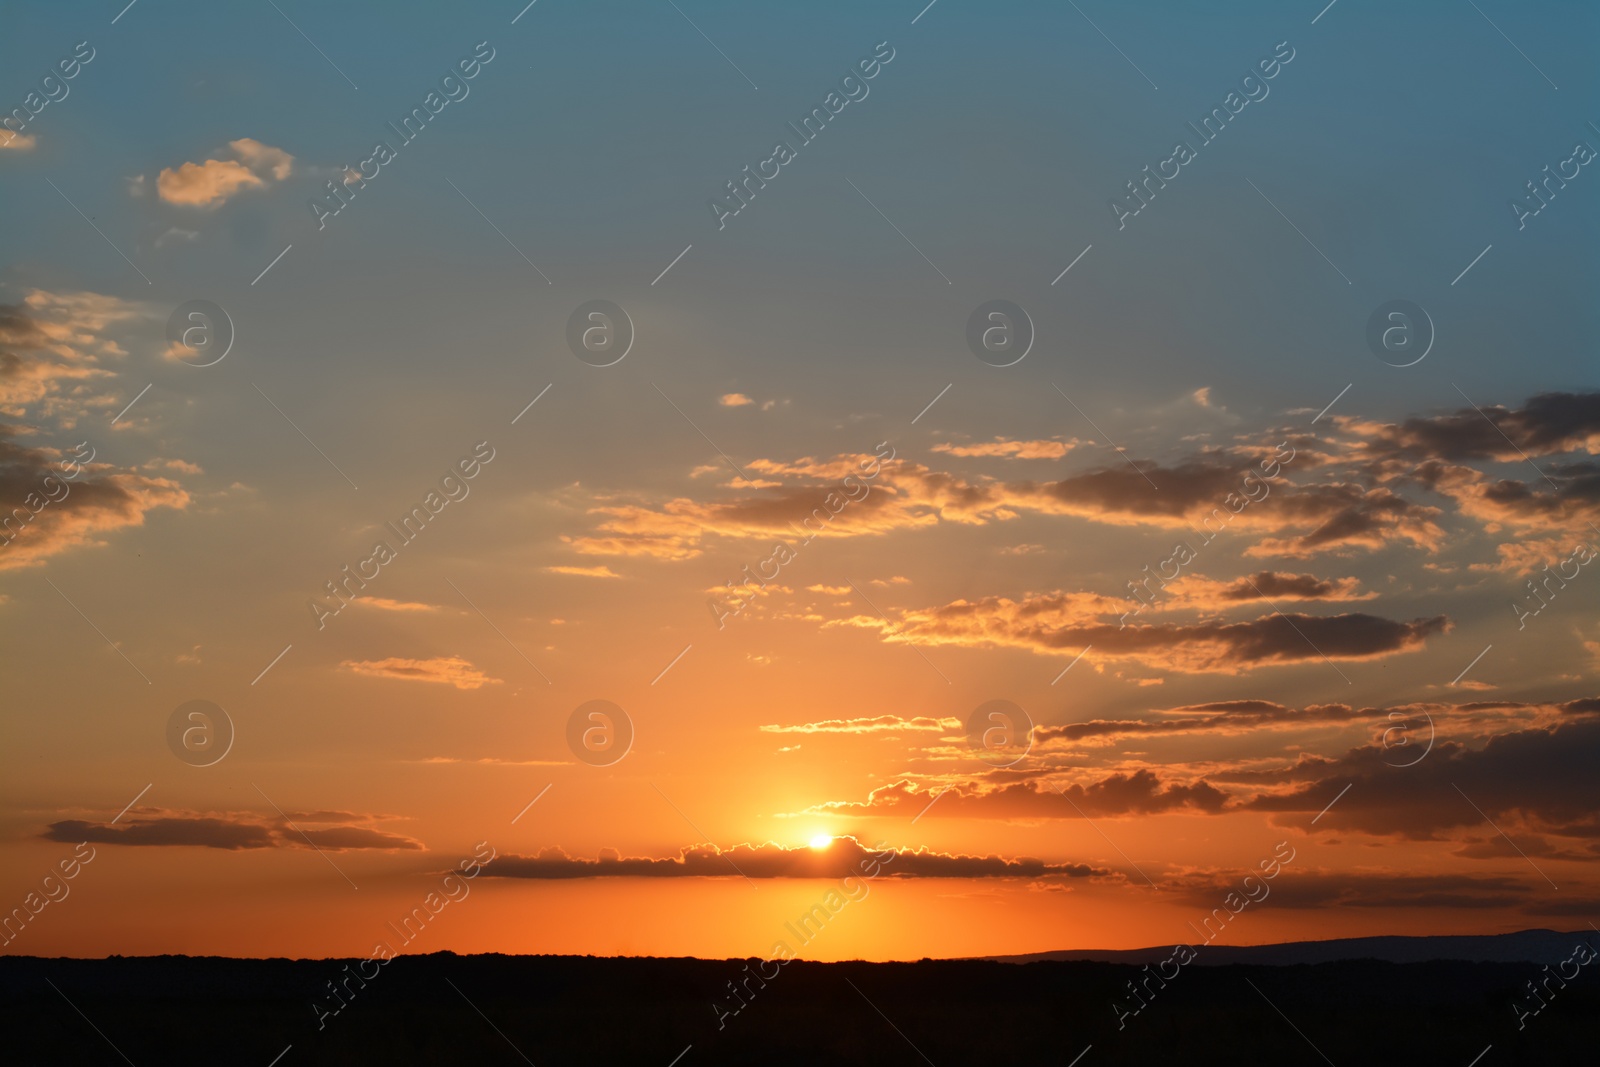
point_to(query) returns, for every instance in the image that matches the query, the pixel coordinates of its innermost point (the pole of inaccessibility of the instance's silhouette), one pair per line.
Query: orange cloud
(1526, 556)
(876, 725)
(441, 670)
(639, 531)
(1245, 489)
(385, 604)
(1219, 718)
(1001, 446)
(1064, 623)
(1207, 492)
(1345, 516)
(54, 351)
(585, 572)
(54, 348)
(50, 517)
(210, 184)
(1566, 499)
(1195, 591)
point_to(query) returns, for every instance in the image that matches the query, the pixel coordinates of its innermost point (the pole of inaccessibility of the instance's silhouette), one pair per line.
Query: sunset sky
(1347, 656)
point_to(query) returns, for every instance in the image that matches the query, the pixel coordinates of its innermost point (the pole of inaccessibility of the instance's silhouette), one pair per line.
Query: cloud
(55, 355)
(1546, 424)
(329, 831)
(1139, 792)
(495, 761)
(1064, 623)
(1344, 516)
(174, 233)
(1214, 491)
(19, 142)
(1353, 505)
(1278, 585)
(1397, 725)
(1393, 786)
(1002, 446)
(51, 513)
(879, 724)
(1326, 889)
(637, 531)
(734, 400)
(210, 184)
(441, 670)
(54, 351)
(1225, 717)
(1194, 591)
(844, 857)
(263, 159)
(1566, 498)
(385, 604)
(350, 838)
(585, 572)
(1525, 556)
(205, 185)
(166, 830)
(1539, 780)
(846, 496)
(1494, 846)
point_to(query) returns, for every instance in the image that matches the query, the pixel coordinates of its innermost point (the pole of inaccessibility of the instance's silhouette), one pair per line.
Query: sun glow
(821, 841)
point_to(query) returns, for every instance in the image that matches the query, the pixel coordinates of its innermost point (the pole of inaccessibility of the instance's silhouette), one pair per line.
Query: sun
(821, 841)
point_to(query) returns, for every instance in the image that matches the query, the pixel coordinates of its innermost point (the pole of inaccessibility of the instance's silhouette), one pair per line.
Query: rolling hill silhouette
(1341, 1002)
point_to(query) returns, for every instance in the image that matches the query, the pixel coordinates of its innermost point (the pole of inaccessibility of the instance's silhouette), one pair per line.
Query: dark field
(581, 1010)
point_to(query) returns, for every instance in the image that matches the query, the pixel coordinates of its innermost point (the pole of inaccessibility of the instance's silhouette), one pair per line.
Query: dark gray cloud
(44, 512)
(1055, 623)
(1323, 889)
(844, 857)
(230, 831)
(1227, 716)
(1273, 585)
(1546, 424)
(1540, 780)
(1140, 792)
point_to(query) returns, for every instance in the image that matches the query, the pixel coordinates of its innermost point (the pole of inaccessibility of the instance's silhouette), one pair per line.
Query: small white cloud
(174, 235)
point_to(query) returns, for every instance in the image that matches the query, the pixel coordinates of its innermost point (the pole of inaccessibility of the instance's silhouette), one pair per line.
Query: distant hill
(489, 1010)
(1525, 946)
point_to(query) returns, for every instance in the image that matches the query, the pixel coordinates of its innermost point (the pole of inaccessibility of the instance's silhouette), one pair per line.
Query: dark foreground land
(447, 1009)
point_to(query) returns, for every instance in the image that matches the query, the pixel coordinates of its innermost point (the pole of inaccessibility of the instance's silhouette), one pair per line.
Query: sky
(1266, 593)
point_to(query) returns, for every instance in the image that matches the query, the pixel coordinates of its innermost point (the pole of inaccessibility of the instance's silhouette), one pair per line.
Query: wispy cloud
(440, 670)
